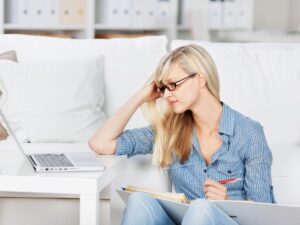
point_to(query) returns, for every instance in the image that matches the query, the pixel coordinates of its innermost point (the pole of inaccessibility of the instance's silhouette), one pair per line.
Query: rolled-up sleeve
(135, 141)
(258, 181)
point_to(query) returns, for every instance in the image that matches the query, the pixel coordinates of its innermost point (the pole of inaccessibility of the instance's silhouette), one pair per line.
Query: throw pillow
(55, 101)
(12, 56)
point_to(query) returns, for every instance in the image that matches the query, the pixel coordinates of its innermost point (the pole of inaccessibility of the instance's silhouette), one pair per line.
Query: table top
(17, 174)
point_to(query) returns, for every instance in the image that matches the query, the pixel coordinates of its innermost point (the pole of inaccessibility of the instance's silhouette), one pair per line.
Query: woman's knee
(143, 209)
(139, 199)
(202, 205)
(200, 212)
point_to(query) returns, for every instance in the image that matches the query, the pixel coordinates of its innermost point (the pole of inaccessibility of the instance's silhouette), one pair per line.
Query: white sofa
(262, 81)
(128, 63)
(259, 80)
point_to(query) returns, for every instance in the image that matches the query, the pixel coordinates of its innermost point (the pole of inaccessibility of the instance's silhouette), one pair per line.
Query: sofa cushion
(12, 56)
(128, 63)
(262, 81)
(53, 101)
(286, 173)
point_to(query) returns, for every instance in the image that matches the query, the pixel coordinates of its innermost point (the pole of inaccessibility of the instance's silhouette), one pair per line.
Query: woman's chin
(179, 110)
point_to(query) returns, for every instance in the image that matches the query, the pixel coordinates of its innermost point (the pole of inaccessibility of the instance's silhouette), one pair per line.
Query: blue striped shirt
(244, 153)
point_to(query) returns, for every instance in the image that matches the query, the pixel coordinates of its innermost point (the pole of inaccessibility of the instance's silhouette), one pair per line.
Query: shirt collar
(227, 120)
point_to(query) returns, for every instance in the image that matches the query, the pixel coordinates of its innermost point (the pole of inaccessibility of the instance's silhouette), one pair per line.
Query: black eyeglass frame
(172, 86)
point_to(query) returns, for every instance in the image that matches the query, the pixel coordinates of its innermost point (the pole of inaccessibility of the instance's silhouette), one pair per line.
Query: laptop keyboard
(53, 160)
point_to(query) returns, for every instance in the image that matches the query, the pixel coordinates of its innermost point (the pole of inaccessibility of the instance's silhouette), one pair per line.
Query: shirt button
(205, 170)
(229, 171)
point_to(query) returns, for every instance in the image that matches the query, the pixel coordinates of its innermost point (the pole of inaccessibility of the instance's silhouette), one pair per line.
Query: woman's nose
(167, 93)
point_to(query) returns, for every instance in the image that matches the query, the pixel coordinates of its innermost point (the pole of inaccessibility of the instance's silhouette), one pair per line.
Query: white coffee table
(17, 178)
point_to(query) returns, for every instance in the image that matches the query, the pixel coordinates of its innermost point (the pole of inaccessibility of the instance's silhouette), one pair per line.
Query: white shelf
(131, 28)
(223, 28)
(259, 36)
(44, 28)
(183, 28)
(90, 27)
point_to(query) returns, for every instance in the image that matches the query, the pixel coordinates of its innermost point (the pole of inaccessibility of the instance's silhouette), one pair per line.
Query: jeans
(143, 209)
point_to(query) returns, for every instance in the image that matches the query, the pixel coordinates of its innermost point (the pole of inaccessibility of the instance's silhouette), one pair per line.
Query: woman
(200, 139)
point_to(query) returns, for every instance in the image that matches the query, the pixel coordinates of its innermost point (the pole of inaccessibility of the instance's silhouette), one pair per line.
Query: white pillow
(53, 101)
(129, 62)
(262, 81)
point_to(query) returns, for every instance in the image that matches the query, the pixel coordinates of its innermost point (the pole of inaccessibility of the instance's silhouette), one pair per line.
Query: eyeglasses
(172, 86)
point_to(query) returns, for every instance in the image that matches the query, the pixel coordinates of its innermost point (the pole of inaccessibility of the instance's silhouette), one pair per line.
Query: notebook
(61, 162)
(243, 212)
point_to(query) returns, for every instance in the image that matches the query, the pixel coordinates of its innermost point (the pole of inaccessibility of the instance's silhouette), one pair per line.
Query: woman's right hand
(150, 92)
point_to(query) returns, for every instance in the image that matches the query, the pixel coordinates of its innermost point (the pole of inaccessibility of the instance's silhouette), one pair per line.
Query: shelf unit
(282, 16)
(91, 26)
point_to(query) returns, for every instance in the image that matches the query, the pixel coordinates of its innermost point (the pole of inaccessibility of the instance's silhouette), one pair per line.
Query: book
(170, 196)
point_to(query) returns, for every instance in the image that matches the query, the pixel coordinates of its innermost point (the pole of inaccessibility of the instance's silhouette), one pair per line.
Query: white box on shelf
(149, 12)
(119, 13)
(164, 16)
(80, 8)
(237, 14)
(65, 12)
(72, 12)
(51, 12)
(25, 12)
(188, 7)
(216, 13)
(243, 14)
(230, 13)
(138, 15)
(39, 9)
(144, 13)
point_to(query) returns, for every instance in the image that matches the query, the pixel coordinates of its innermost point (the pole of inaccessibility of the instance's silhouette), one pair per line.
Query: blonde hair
(173, 132)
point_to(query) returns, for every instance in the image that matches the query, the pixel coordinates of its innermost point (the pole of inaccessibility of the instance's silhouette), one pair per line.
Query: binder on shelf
(31, 12)
(216, 15)
(39, 12)
(138, 13)
(243, 17)
(80, 11)
(150, 14)
(25, 12)
(164, 15)
(51, 12)
(11, 11)
(102, 12)
(230, 13)
(143, 13)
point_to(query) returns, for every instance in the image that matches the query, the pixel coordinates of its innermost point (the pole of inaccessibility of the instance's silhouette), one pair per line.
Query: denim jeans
(143, 209)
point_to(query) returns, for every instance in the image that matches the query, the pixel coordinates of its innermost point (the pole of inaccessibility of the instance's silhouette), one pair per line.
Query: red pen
(232, 180)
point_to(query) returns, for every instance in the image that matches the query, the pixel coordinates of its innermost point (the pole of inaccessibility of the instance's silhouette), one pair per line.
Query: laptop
(52, 162)
(243, 212)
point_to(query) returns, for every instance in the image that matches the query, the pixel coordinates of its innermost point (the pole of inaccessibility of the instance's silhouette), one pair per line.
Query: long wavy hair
(173, 132)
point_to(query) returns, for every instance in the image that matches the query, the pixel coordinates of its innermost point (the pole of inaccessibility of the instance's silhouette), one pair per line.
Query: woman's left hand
(214, 191)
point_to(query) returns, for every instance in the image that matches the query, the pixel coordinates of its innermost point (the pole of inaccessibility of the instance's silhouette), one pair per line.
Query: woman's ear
(201, 80)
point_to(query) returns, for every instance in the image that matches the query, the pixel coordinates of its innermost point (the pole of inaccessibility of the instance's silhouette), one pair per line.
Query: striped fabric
(243, 154)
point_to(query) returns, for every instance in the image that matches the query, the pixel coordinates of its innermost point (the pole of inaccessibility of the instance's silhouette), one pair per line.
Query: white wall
(271, 14)
(294, 23)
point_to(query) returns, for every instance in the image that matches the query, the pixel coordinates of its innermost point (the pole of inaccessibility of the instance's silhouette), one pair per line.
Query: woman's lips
(173, 102)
